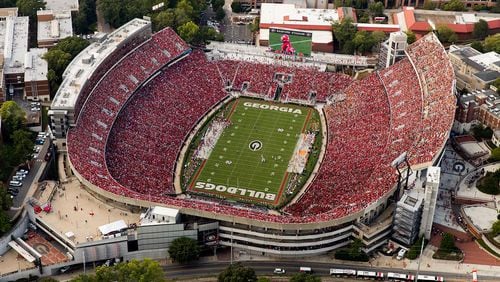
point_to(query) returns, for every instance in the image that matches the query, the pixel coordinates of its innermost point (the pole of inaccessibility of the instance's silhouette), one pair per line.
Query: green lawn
(302, 44)
(234, 170)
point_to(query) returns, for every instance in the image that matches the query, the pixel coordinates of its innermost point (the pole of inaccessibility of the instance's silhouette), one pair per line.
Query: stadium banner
(290, 42)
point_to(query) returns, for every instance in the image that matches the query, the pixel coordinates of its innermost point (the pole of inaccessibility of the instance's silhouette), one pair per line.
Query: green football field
(250, 159)
(302, 44)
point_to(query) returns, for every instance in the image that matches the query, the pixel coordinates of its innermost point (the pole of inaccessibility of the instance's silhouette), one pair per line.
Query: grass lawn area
(250, 159)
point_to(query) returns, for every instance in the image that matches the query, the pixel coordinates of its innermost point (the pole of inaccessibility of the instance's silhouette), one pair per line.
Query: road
(291, 267)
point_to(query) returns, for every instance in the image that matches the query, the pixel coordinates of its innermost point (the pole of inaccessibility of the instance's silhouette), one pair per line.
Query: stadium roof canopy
(84, 64)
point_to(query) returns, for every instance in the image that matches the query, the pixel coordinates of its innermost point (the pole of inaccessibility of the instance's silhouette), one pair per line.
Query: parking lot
(31, 176)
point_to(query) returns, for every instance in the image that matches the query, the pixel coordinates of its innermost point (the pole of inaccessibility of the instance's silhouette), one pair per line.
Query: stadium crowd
(128, 143)
(405, 101)
(436, 73)
(260, 79)
(145, 162)
(87, 141)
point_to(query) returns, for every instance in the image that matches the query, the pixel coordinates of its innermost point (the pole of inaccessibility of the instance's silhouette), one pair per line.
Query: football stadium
(286, 158)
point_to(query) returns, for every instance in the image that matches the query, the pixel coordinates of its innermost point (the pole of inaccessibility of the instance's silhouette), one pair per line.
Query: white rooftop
(14, 43)
(61, 5)
(159, 215)
(482, 217)
(165, 211)
(114, 226)
(36, 66)
(486, 59)
(84, 64)
(289, 14)
(58, 28)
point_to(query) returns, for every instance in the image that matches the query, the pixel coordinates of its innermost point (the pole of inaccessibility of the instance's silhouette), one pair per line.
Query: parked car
(15, 183)
(17, 178)
(279, 271)
(401, 254)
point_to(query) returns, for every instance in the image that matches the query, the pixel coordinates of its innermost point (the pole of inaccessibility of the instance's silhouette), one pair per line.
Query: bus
(391, 276)
(342, 272)
(305, 269)
(370, 275)
(430, 278)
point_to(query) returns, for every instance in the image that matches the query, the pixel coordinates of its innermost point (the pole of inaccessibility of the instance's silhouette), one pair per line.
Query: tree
(7, 3)
(482, 132)
(236, 7)
(57, 60)
(23, 145)
(495, 228)
(429, 5)
(414, 250)
(72, 45)
(495, 155)
(164, 19)
(254, 27)
(376, 9)
(378, 36)
(496, 8)
(454, 5)
(184, 250)
(363, 41)
(207, 33)
(13, 118)
(4, 222)
(448, 243)
(188, 31)
(344, 33)
(220, 14)
(186, 7)
(480, 29)
(29, 7)
(112, 11)
(446, 34)
(352, 252)
(5, 204)
(144, 270)
(410, 37)
(85, 20)
(496, 84)
(237, 272)
(478, 46)
(492, 43)
(305, 277)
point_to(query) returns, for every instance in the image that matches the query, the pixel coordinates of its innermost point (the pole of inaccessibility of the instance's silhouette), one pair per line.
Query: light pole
(420, 258)
(83, 262)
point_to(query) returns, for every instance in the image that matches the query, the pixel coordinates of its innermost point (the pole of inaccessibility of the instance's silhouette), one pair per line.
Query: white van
(305, 269)
(401, 254)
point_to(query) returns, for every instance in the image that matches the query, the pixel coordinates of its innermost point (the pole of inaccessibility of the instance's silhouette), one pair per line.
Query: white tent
(113, 227)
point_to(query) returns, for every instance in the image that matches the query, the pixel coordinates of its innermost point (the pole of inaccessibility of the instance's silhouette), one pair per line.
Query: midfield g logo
(255, 145)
